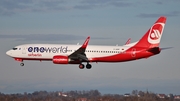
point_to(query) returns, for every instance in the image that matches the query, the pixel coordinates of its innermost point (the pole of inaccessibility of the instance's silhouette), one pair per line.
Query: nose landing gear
(21, 64)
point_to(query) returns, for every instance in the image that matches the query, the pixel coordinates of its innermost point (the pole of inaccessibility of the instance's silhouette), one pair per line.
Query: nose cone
(9, 53)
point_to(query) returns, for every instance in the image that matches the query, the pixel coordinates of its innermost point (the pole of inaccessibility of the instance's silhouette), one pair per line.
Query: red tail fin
(153, 35)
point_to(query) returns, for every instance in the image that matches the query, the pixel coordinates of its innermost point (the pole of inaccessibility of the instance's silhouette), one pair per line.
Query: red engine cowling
(59, 59)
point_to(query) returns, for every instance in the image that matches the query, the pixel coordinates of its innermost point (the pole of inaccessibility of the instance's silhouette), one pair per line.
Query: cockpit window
(15, 48)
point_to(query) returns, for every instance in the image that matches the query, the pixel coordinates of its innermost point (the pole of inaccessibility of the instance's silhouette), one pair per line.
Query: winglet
(85, 43)
(128, 41)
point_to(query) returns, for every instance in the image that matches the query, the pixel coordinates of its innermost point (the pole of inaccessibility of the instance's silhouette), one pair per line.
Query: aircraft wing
(80, 53)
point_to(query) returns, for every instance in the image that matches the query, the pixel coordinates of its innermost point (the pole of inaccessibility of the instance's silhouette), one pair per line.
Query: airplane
(146, 47)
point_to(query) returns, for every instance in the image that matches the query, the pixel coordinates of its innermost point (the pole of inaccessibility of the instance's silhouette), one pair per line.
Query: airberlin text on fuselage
(48, 49)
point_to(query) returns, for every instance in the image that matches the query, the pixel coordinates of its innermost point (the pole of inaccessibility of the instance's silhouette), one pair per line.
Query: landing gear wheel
(88, 66)
(21, 64)
(81, 66)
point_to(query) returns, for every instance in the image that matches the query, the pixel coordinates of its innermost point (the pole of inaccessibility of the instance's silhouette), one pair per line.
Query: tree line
(91, 95)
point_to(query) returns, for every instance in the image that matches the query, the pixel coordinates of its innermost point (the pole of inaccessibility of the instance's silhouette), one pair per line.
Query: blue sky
(108, 22)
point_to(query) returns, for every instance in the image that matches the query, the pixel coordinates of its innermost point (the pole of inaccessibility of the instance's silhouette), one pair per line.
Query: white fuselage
(47, 51)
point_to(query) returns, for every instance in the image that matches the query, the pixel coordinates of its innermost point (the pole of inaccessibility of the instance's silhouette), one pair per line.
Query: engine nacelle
(59, 59)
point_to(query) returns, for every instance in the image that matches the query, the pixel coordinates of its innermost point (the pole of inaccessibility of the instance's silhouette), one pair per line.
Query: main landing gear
(88, 66)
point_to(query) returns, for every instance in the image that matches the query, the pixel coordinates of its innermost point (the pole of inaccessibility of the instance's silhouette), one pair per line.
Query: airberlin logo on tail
(155, 33)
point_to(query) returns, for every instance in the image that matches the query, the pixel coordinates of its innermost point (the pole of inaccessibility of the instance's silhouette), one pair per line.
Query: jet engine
(59, 59)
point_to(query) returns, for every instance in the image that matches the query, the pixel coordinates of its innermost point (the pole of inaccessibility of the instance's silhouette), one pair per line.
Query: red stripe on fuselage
(129, 55)
(43, 59)
(132, 53)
